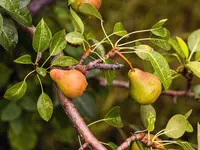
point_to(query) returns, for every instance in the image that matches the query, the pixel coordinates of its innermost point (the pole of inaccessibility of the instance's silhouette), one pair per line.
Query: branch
(78, 121)
(84, 146)
(142, 137)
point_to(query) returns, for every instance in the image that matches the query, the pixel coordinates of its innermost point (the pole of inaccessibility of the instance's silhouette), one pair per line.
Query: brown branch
(142, 137)
(84, 146)
(78, 121)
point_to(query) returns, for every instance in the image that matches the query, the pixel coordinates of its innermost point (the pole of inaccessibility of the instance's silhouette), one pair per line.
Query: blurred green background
(22, 128)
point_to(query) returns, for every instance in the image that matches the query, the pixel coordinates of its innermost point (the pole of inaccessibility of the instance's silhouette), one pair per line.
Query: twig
(142, 137)
(84, 146)
(78, 121)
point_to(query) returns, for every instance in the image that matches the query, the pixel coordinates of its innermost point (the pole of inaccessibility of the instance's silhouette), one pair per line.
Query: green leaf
(141, 54)
(22, 16)
(196, 90)
(100, 48)
(113, 117)
(64, 61)
(78, 22)
(11, 112)
(88, 9)
(197, 56)
(71, 1)
(42, 37)
(17, 91)
(183, 46)
(174, 43)
(58, 43)
(195, 67)
(148, 116)
(187, 115)
(41, 71)
(24, 3)
(109, 74)
(86, 105)
(161, 42)
(5, 73)
(45, 106)
(119, 29)
(10, 5)
(25, 59)
(194, 41)
(176, 126)
(198, 134)
(112, 145)
(8, 35)
(161, 68)
(74, 38)
(184, 145)
(1, 23)
(25, 140)
(158, 29)
(189, 127)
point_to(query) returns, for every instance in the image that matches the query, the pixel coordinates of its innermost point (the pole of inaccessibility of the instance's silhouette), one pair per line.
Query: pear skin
(95, 3)
(71, 82)
(145, 87)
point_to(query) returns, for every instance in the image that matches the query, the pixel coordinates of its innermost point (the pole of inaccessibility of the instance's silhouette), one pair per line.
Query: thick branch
(78, 121)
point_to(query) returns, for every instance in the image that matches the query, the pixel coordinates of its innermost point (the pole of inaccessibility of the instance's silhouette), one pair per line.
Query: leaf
(25, 59)
(71, 1)
(113, 117)
(86, 106)
(22, 16)
(64, 61)
(88, 9)
(112, 145)
(109, 74)
(41, 71)
(45, 106)
(58, 43)
(17, 91)
(141, 54)
(184, 145)
(183, 46)
(119, 29)
(161, 42)
(197, 56)
(194, 41)
(187, 115)
(174, 43)
(198, 134)
(189, 127)
(78, 22)
(8, 35)
(100, 48)
(10, 5)
(5, 74)
(11, 112)
(195, 67)
(1, 23)
(148, 116)
(196, 90)
(161, 68)
(25, 140)
(42, 37)
(176, 126)
(24, 3)
(74, 38)
(158, 29)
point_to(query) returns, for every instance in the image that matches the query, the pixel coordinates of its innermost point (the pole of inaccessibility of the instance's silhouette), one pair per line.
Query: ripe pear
(145, 87)
(95, 3)
(71, 82)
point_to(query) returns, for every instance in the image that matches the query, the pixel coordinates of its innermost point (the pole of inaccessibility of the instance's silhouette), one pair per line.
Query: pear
(95, 3)
(71, 82)
(145, 87)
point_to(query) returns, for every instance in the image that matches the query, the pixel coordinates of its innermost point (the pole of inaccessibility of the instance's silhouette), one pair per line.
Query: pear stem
(124, 58)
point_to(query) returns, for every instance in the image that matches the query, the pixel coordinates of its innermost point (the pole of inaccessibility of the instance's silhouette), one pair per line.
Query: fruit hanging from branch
(71, 82)
(145, 87)
(95, 3)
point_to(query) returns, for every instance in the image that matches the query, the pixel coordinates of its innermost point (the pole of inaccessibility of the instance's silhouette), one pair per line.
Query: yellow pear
(71, 82)
(145, 87)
